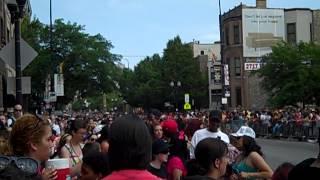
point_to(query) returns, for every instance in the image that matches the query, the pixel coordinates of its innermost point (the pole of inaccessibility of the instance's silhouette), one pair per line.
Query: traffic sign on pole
(7, 53)
(187, 106)
(186, 98)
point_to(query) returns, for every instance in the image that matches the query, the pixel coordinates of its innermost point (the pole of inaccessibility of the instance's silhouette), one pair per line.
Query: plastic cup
(61, 165)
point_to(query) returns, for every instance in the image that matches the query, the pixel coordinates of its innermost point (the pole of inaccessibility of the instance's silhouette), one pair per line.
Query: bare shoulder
(255, 156)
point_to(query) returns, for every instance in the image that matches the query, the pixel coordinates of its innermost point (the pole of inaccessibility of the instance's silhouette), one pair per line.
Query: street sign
(186, 98)
(7, 54)
(187, 106)
(26, 85)
(59, 84)
(224, 101)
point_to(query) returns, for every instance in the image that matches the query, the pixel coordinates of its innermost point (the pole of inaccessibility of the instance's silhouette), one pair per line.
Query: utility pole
(51, 49)
(222, 57)
(17, 13)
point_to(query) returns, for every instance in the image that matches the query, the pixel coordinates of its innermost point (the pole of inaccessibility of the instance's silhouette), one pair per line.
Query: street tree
(149, 84)
(84, 59)
(291, 74)
(180, 65)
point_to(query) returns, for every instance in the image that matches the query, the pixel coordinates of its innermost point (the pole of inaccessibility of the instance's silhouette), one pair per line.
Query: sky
(140, 28)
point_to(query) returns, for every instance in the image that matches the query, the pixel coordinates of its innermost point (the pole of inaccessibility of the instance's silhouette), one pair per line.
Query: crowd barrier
(287, 129)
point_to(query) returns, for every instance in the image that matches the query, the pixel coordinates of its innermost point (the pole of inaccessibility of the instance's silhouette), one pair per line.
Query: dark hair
(179, 148)
(91, 148)
(130, 143)
(207, 151)
(77, 124)
(214, 120)
(104, 134)
(250, 145)
(97, 162)
(282, 172)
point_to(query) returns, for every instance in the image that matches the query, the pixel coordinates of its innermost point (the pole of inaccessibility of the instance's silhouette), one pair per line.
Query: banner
(59, 84)
(226, 75)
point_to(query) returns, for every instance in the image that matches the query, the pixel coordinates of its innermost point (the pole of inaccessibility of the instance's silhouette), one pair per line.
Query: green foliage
(152, 77)
(89, 69)
(291, 74)
(85, 60)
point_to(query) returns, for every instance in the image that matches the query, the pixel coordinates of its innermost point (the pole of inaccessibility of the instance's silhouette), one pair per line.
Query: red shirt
(131, 174)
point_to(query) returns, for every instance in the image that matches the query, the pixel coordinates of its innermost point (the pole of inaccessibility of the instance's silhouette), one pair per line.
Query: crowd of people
(139, 145)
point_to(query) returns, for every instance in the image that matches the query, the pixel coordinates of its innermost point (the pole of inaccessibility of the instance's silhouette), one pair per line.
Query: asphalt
(277, 152)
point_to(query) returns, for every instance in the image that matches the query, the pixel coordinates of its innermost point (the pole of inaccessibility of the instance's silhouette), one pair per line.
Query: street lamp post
(17, 12)
(127, 61)
(175, 86)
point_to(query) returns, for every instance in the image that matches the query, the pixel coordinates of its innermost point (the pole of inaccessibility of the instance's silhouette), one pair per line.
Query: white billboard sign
(59, 84)
(262, 29)
(252, 66)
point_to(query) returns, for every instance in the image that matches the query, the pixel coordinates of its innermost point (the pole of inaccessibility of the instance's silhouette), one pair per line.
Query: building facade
(208, 56)
(248, 34)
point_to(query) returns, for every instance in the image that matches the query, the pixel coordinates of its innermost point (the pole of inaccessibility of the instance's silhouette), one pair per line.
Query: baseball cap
(215, 116)
(170, 126)
(245, 131)
(159, 146)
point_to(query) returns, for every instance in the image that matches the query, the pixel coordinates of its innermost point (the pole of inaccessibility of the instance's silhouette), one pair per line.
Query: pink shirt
(131, 174)
(175, 163)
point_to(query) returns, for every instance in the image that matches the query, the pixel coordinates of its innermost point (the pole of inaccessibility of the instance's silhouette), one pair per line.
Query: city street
(278, 151)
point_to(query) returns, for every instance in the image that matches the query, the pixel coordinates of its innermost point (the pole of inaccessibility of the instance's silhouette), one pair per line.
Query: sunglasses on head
(25, 164)
(35, 126)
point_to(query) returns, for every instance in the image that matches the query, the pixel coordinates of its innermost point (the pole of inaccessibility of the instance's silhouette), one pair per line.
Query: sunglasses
(19, 110)
(93, 139)
(25, 164)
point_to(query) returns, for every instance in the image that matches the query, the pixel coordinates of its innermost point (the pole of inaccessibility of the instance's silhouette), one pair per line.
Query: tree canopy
(152, 77)
(85, 60)
(90, 69)
(291, 74)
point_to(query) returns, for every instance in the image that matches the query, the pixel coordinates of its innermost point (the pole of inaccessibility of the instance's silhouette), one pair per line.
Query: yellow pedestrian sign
(187, 106)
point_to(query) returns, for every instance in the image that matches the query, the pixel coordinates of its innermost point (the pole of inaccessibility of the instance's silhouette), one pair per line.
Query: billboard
(262, 28)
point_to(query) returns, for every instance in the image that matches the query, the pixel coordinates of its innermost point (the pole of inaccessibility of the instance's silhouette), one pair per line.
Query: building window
(212, 74)
(236, 34)
(237, 66)
(8, 35)
(238, 96)
(202, 52)
(2, 33)
(291, 33)
(227, 35)
(311, 32)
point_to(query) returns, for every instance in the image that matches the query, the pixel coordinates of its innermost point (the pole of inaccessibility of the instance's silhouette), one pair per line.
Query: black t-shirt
(162, 172)
(198, 178)
(304, 171)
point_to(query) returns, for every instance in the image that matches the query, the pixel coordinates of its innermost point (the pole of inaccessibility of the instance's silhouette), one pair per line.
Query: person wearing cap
(250, 164)
(160, 152)
(212, 130)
